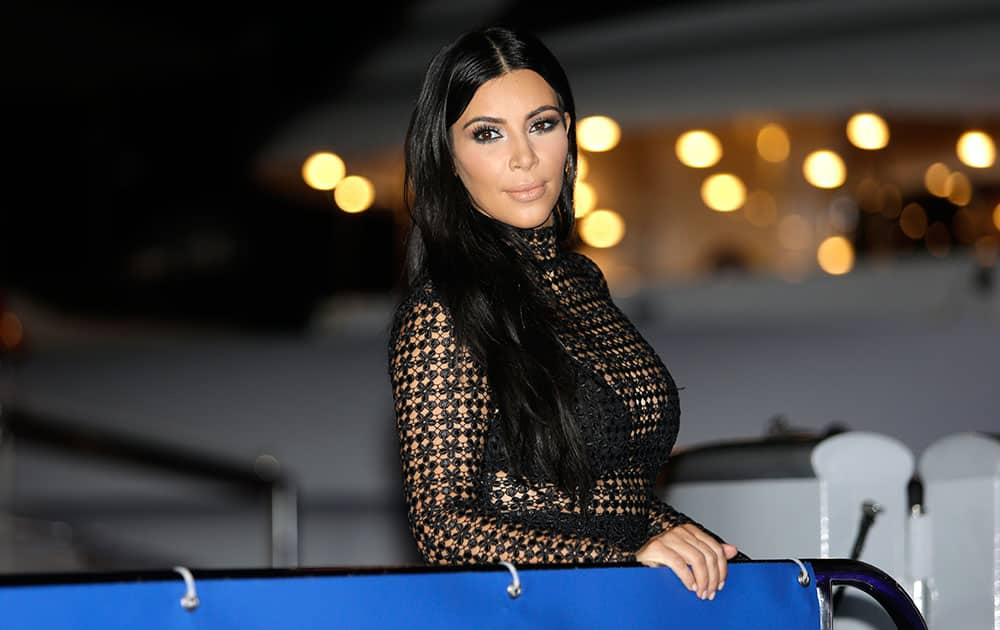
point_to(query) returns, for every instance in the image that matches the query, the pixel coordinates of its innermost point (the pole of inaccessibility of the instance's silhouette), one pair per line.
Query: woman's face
(510, 147)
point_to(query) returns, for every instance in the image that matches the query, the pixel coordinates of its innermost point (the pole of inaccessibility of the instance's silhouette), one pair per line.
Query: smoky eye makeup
(485, 133)
(545, 124)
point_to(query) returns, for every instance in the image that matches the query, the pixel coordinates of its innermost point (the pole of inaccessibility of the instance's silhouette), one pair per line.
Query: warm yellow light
(996, 217)
(602, 228)
(976, 149)
(936, 179)
(582, 167)
(323, 171)
(824, 169)
(354, 194)
(835, 255)
(794, 232)
(959, 189)
(11, 331)
(772, 143)
(913, 221)
(868, 131)
(723, 192)
(698, 149)
(597, 133)
(761, 209)
(584, 199)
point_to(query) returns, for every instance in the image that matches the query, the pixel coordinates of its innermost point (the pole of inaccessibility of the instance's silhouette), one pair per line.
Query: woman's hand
(698, 559)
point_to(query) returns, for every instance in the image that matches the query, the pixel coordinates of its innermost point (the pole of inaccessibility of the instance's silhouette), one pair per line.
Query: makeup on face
(510, 149)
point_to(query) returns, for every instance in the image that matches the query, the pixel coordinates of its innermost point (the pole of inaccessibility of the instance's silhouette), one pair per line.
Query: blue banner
(757, 595)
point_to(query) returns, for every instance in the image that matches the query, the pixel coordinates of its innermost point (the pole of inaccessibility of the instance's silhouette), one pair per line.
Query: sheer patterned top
(463, 506)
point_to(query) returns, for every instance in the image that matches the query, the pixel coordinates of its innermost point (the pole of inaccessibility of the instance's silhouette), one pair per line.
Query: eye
(545, 124)
(485, 133)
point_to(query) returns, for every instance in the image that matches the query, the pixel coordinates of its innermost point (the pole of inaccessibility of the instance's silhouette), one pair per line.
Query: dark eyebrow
(489, 119)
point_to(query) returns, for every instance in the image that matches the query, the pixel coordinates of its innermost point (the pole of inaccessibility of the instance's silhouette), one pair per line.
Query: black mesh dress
(464, 507)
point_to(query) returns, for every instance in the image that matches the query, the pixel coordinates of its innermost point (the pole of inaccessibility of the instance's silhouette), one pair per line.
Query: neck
(540, 240)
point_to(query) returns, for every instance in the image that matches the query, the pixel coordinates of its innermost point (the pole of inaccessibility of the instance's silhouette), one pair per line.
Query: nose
(522, 153)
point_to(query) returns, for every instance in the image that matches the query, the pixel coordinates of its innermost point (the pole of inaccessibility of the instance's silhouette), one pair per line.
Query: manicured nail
(722, 584)
(691, 587)
(712, 596)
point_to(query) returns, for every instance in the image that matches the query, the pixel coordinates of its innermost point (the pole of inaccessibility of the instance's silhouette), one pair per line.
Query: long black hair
(481, 267)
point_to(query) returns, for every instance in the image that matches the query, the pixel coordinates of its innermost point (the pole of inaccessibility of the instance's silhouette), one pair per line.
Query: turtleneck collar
(541, 241)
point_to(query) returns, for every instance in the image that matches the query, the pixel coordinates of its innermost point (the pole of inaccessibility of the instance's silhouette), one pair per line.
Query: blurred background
(797, 203)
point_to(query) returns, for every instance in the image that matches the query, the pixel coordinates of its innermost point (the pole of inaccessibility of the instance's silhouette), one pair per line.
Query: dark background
(131, 137)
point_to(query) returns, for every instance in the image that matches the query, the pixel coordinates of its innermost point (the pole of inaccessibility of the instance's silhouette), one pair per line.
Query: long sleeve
(443, 409)
(663, 516)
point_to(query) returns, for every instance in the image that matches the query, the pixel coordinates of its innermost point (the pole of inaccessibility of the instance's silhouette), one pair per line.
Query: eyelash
(477, 133)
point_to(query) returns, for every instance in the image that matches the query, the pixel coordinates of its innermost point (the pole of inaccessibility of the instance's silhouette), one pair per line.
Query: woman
(532, 416)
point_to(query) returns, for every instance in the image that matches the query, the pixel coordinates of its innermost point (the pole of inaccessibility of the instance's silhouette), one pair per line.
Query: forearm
(663, 517)
(471, 536)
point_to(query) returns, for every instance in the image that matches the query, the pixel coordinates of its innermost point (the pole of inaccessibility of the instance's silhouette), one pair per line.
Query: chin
(526, 219)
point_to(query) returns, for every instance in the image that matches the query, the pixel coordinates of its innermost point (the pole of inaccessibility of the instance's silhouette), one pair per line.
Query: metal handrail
(873, 581)
(79, 439)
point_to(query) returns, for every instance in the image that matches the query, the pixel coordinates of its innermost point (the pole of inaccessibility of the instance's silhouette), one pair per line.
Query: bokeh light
(323, 171)
(824, 169)
(868, 131)
(582, 167)
(584, 199)
(959, 189)
(597, 134)
(602, 228)
(936, 179)
(996, 217)
(723, 192)
(698, 149)
(354, 194)
(913, 221)
(772, 143)
(976, 149)
(835, 255)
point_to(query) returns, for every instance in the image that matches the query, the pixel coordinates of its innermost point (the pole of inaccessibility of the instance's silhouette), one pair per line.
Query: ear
(566, 121)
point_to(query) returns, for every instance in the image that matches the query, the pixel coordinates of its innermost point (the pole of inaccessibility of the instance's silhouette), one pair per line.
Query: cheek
(556, 149)
(478, 168)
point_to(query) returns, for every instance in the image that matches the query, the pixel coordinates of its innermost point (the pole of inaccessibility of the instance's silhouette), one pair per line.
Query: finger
(679, 566)
(694, 558)
(713, 558)
(718, 555)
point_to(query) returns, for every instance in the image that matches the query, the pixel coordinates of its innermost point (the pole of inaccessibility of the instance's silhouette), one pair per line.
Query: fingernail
(704, 595)
(691, 587)
(712, 596)
(722, 584)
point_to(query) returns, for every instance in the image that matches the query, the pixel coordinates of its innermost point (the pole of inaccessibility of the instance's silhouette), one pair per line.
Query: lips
(527, 192)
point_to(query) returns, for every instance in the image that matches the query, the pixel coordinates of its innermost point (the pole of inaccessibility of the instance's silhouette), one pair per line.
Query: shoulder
(584, 266)
(421, 309)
